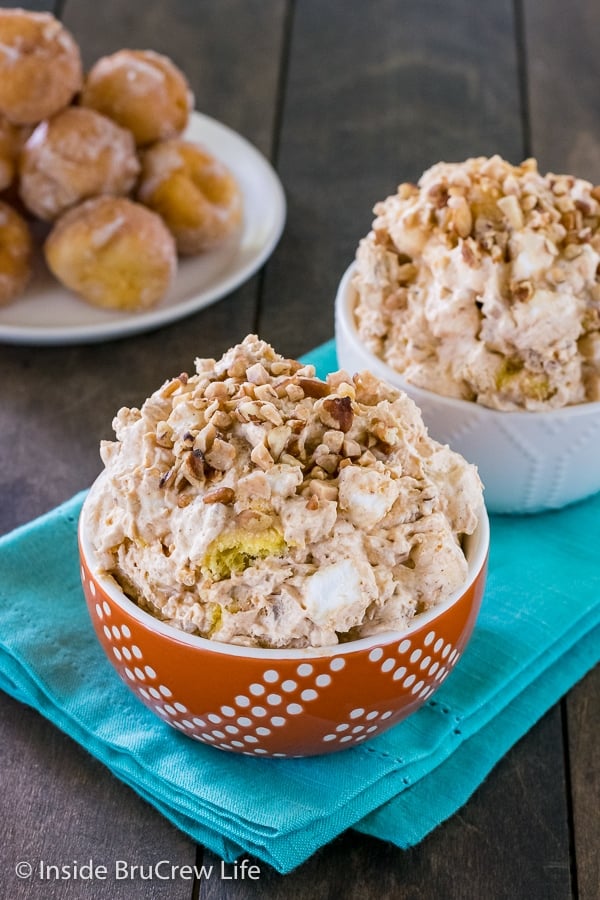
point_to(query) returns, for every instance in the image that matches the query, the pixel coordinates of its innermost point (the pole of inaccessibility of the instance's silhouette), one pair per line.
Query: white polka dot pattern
(238, 726)
(360, 726)
(427, 671)
(277, 697)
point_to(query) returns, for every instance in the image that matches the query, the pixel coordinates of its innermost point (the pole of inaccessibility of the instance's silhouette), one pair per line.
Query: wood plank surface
(349, 99)
(57, 403)
(35, 5)
(582, 716)
(469, 857)
(60, 807)
(563, 70)
(375, 93)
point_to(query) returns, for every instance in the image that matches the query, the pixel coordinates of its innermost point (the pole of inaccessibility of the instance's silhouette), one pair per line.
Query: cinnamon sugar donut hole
(9, 151)
(113, 252)
(40, 66)
(15, 254)
(143, 91)
(195, 193)
(76, 154)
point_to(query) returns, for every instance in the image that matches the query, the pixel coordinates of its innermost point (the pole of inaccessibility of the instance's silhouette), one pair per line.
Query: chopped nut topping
(277, 439)
(191, 467)
(261, 457)
(216, 390)
(351, 448)
(522, 291)
(461, 218)
(257, 374)
(325, 459)
(438, 194)
(166, 478)
(221, 455)
(489, 262)
(273, 489)
(406, 273)
(219, 495)
(511, 209)
(164, 435)
(333, 440)
(171, 386)
(339, 413)
(468, 254)
(312, 387)
(205, 437)
(253, 520)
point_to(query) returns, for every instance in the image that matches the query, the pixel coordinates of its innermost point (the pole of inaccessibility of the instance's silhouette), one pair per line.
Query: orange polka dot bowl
(283, 703)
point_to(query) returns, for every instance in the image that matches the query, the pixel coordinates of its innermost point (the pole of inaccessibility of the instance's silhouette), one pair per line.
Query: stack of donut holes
(100, 159)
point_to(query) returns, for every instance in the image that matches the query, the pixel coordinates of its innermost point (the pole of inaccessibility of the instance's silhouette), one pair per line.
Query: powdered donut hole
(113, 252)
(40, 66)
(76, 154)
(196, 195)
(143, 91)
(15, 254)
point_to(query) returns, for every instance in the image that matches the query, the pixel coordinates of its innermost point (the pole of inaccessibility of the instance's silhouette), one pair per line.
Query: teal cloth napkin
(538, 633)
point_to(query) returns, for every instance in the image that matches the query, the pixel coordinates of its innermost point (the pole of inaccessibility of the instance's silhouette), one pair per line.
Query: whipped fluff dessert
(254, 503)
(482, 283)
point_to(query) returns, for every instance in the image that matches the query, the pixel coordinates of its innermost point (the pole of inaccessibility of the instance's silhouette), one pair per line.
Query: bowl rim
(345, 302)
(477, 549)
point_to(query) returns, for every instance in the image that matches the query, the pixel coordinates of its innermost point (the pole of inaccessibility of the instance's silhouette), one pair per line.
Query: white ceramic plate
(50, 314)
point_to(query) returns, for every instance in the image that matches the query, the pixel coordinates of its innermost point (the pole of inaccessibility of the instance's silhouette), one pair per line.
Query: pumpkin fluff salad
(482, 283)
(253, 503)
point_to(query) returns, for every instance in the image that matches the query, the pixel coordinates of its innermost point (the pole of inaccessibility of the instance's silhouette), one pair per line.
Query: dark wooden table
(347, 99)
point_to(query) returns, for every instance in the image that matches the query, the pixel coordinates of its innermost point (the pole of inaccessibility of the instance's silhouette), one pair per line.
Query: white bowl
(528, 461)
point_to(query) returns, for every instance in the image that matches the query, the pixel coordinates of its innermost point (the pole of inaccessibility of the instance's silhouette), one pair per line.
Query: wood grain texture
(509, 843)
(59, 397)
(583, 715)
(34, 6)
(58, 806)
(375, 93)
(350, 98)
(229, 50)
(57, 403)
(563, 65)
